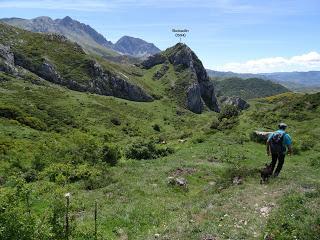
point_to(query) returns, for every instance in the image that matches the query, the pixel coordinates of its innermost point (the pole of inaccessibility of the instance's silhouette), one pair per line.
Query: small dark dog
(266, 172)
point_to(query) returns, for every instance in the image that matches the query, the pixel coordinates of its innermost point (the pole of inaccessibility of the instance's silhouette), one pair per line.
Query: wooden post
(67, 195)
(28, 202)
(95, 220)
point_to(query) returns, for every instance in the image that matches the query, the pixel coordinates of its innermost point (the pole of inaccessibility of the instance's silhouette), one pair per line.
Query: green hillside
(154, 169)
(248, 88)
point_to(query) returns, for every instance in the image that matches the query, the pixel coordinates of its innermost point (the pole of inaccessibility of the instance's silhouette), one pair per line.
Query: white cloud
(306, 62)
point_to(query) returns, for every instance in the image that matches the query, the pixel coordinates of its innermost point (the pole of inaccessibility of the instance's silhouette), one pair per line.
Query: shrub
(199, 139)
(215, 123)
(10, 112)
(15, 223)
(224, 123)
(30, 175)
(96, 181)
(315, 162)
(228, 123)
(141, 150)
(33, 122)
(37, 163)
(228, 111)
(116, 121)
(306, 143)
(111, 154)
(146, 150)
(156, 127)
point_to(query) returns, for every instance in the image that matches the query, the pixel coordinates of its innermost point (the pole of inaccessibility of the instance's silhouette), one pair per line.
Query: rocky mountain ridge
(37, 53)
(86, 36)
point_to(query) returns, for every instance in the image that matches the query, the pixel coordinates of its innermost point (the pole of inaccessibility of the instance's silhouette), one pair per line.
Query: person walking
(278, 144)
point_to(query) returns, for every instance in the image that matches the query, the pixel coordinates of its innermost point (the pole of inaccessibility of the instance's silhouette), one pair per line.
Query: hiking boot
(276, 174)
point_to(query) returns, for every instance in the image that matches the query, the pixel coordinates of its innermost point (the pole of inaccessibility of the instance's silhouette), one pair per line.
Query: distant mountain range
(248, 88)
(86, 36)
(292, 80)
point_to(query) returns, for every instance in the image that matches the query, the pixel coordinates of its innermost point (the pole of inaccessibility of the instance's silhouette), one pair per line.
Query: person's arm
(288, 142)
(290, 149)
(268, 145)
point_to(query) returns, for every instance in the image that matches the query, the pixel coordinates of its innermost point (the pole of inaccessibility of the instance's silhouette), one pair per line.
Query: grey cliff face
(7, 60)
(102, 82)
(194, 101)
(106, 83)
(6, 54)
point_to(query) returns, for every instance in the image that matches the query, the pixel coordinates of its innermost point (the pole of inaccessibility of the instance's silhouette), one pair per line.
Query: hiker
(277, 145)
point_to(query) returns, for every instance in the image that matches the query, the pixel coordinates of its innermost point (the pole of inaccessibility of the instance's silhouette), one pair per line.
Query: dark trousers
(280, 158)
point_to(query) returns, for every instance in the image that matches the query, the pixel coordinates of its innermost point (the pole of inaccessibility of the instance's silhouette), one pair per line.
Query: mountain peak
(135, 47)
(67, 21)
(67, 18)
(43, 18)
(200, 91)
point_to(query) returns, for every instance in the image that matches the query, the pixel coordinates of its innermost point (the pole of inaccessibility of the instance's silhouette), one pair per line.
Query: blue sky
(236, 35)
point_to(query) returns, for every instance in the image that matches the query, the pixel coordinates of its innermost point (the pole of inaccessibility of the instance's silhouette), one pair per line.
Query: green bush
(10, 112)
(224, 123)
(315, 162)
(30, 175)
(228, 111)
(116, 121)
(146, 150)
(228, 123)
(305, 143)
(33, 122)
(156, 127)
(15, 222)
(96, 181)
(215, 123)
(111, 154)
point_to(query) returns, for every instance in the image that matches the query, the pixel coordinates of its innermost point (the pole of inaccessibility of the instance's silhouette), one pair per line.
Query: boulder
(235, 101)
(259, 136)
(179, 181)
(237, 180)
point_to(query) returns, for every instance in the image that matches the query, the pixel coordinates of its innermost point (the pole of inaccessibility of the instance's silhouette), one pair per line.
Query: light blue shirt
(286, 138)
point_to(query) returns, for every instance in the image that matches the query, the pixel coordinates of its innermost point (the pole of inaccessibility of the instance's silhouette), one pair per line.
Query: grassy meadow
(120, 154)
